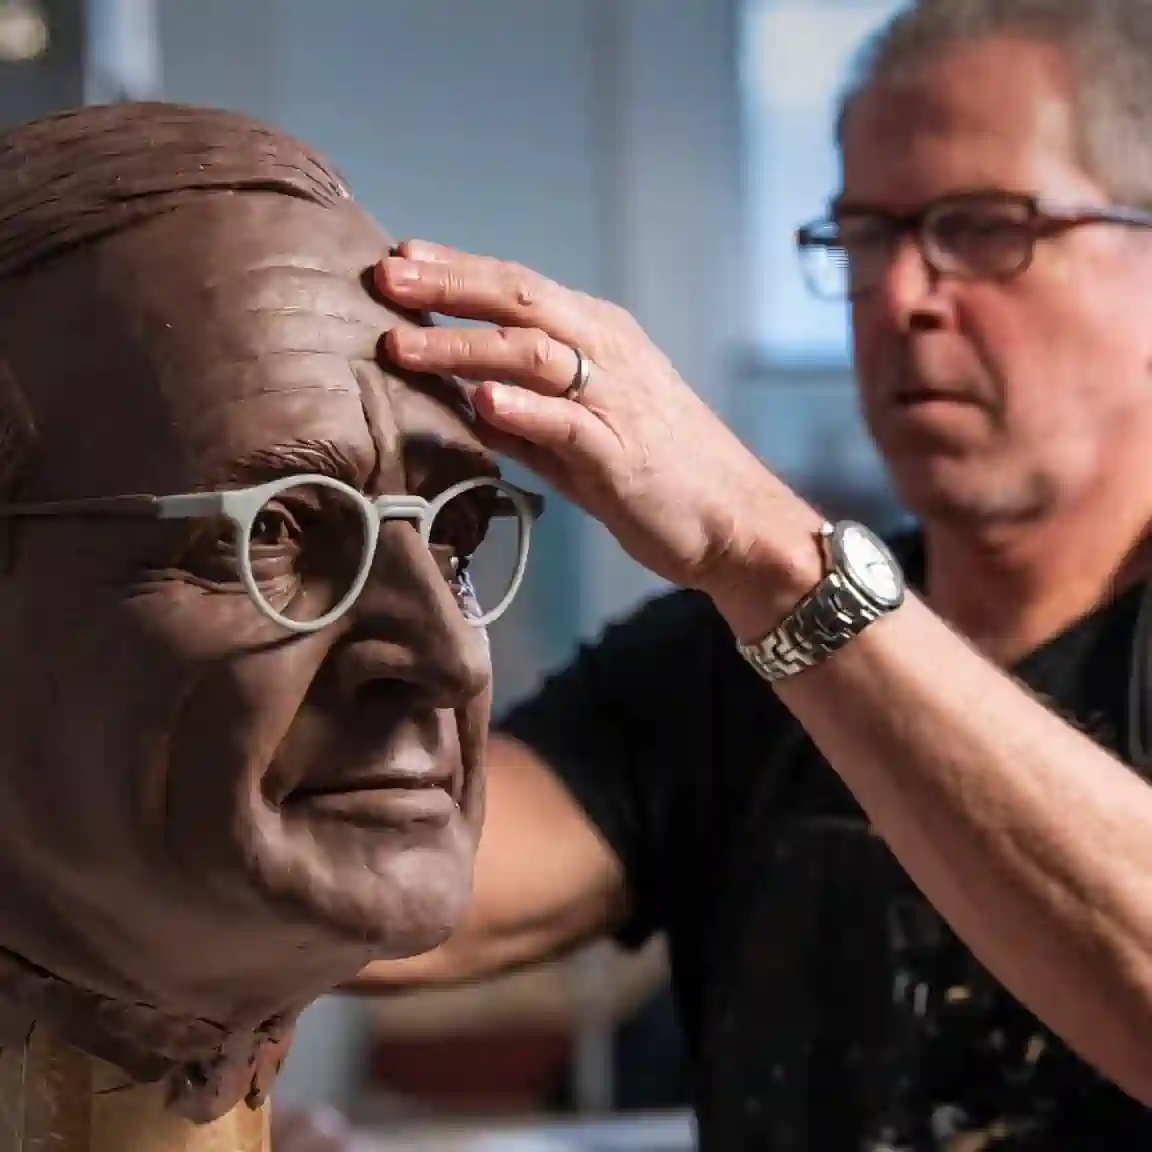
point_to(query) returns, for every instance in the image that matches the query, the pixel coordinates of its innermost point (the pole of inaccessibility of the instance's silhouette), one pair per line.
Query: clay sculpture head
(244, 675)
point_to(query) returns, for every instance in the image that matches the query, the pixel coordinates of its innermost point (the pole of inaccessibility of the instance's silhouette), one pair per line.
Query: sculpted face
(202, 811)
(997, 399)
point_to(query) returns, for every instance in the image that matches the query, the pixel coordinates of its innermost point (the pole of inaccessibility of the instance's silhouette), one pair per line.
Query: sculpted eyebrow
(321, 457)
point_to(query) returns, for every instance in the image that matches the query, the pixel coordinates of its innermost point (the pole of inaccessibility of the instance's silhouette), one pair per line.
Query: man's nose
(910, 291)
(407, 626)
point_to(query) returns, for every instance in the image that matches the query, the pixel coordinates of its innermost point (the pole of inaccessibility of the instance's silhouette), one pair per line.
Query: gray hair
(1108, 43)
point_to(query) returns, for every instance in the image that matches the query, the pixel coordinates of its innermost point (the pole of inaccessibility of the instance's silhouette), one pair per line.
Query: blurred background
(657, 152)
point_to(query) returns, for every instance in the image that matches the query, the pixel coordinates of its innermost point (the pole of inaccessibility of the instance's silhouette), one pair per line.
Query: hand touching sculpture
(640, 450)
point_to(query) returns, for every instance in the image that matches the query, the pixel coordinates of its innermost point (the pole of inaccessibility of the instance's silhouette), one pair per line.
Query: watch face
(870, 565)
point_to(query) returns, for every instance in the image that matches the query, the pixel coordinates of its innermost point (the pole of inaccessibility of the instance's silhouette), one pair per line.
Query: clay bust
(230, 778)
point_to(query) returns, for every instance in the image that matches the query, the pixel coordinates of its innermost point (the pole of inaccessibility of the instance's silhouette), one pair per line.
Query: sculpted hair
(1108, 43)
(71, 178)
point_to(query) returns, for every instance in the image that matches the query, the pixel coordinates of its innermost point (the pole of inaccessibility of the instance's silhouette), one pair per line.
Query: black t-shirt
(826, 1006)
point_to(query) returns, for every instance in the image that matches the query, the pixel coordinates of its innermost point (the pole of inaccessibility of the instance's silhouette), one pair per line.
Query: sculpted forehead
(243, 322)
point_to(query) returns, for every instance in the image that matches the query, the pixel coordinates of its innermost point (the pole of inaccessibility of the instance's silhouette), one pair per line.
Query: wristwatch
(863, 582)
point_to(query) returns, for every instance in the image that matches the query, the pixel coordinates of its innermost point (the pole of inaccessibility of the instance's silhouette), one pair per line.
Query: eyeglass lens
(970, 238)
(309, 544)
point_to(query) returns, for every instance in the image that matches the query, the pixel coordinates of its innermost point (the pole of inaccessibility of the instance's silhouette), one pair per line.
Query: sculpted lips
(397, 783)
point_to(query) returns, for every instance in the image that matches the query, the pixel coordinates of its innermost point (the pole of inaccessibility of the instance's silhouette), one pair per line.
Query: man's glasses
(303, 546)
(973, 236)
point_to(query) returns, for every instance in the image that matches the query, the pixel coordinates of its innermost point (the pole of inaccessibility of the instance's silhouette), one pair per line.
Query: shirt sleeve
(626, 726)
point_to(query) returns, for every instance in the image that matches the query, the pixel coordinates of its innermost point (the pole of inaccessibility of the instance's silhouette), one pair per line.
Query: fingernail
(409, 343)
(421, 250)
(504, 397)
(401, 271)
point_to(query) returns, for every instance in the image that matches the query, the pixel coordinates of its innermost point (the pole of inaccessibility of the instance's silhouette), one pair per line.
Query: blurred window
(795, 56)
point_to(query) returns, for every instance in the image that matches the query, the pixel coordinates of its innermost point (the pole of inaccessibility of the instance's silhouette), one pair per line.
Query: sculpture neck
(53, 1096)
(202, 1070)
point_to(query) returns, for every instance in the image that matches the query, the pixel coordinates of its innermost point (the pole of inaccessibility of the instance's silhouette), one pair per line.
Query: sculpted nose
(407, 626)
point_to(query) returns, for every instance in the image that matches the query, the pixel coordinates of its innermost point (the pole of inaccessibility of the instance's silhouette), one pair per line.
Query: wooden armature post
(56, 1099)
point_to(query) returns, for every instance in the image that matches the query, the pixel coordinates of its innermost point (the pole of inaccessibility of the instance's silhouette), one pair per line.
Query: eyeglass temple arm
(506, 506)
(1135, 216)
(197, 504)
(183, 507)
(535, 500)
(1061, 211)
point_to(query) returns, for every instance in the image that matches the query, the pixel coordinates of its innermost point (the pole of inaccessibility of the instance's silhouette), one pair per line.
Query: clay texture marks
(85, 173)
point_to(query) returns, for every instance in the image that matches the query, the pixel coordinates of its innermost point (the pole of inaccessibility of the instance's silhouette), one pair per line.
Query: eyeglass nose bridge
(909, 254)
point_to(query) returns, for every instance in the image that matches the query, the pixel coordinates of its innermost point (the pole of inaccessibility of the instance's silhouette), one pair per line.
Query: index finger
(482, 288)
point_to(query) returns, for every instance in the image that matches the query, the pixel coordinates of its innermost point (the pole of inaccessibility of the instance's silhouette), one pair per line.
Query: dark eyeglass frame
(1040, 217)
(242, 506)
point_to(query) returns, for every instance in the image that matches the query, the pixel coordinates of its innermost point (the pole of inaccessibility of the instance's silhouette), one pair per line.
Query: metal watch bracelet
(831, 615)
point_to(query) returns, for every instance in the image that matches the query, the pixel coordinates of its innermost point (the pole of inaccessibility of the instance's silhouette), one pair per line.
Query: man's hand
(639, 450)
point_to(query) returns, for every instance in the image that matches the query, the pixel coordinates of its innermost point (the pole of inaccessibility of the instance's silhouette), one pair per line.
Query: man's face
(222, 815)
(992, 401)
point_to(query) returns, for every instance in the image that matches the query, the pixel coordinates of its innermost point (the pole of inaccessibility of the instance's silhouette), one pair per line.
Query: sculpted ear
(18, 438)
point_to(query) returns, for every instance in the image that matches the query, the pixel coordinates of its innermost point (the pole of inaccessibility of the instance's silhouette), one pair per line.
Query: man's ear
(18, 438)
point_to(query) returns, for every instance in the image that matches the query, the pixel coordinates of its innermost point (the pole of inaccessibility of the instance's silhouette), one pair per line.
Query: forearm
(477, 951)
(1030, 839)
(434, 969)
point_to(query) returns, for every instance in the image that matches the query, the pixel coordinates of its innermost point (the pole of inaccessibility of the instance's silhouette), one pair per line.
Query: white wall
(673, 223)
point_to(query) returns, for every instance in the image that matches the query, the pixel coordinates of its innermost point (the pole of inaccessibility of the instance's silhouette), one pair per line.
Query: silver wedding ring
(580, 377)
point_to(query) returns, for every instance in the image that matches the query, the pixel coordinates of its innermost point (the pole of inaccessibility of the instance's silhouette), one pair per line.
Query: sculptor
(242, 756)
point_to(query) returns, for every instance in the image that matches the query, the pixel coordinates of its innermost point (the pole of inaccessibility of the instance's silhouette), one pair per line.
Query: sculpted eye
(274, 527)
(462, 524)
